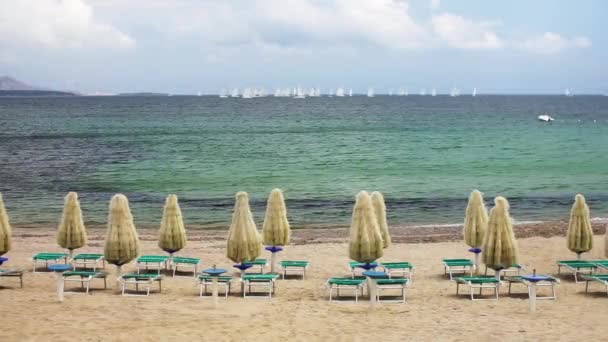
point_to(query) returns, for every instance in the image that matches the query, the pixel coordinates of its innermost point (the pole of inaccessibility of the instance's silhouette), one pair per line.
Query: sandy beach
(300, 310)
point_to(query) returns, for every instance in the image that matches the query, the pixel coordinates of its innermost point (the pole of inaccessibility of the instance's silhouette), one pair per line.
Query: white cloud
(56, 24)
(435, 4)
(550, 42)
(461, 33)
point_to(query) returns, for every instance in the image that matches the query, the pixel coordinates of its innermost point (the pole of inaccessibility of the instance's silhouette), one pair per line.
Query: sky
(191, 46)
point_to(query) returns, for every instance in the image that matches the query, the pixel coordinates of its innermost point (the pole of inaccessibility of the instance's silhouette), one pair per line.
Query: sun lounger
(391, 284)
(577, 267)
(49, 258)
(356, 285)
(145, 279)
(152, 261)
(264, 281)
(354, 265)
(601, 264)
(600, 278)
(451, 266)
(257, 264)
(184, 262)
(88, 260)
(478, 282)
(404, 269)
(12, 273)
(295, 267)
(84, 277)
(206, 280)
(550, 282)
(514, 270)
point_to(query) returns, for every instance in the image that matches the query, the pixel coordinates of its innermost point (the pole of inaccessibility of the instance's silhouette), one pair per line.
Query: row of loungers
(399, 275)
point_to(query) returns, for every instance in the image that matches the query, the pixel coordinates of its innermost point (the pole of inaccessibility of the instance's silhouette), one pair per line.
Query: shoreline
(327, 234)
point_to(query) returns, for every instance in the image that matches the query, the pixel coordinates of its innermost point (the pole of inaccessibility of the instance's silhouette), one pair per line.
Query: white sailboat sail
(340, 92)
(370, 92)
(433, 92)
(350, 92)
(235, 92)
(474, 92)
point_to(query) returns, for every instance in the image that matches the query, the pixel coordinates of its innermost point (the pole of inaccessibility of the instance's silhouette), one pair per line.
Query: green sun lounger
(88, 260)
(264, 281)
(355, 285)
(577, 267)
(478, 282)
(402, 268)
(602, 264)
(184, 262)
(550, 282)
(84, 277)
(49, 258)
(145, 279)
(599, 278)
(152, 261)
(451, 266)
(12, 273)
(206, 281)
(392, 284)
(514, 270)
(257, 264)
(294, 267)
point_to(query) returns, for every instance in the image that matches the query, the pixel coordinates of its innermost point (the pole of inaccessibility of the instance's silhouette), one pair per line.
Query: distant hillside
(7, 93)
(143, 94)
(9, 83)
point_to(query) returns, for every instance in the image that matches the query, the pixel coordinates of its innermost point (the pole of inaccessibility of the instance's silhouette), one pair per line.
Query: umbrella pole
(59, 286)
(532, 302)
(477, 262)
(273, 259)
(371, 282)
(215, 300)
(578, 255)
(119, 273)
(497, 274)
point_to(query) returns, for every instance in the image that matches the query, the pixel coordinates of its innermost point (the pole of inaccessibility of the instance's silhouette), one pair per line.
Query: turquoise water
(424, 153)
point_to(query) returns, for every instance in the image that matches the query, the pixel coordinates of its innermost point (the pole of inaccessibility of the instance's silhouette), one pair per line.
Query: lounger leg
(105, 285)
(88, 284)
(457, 288)
(160, 285)
(510, 287)
(587, 286)
(496, 291)
(21, 280)
(472, 296)
(136, 286)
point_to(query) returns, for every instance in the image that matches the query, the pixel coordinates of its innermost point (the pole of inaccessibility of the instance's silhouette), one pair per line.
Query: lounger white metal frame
(403, 287)
(590, 279)
(576, 271)
(159, 265)
(355, 288)
(247, 286)
(406, 272)
(447, 269)
(544, 283)
(12, 273)
(194, 267)
(479, 286)
(85, 280)
(204, 283)
(295, 270)
(353, 271)
(147, 283)
(84, 263)
(46, 262)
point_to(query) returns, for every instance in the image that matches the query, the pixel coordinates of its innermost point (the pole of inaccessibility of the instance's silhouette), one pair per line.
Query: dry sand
(300, 311)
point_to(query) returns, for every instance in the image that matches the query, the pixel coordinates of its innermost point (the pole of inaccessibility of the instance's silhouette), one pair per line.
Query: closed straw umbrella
(122, 242)
(500, 248)
(475, 224)
(380, 211)
(244, 242)
(275, 232)
(5, 230)
(172, 234)
(71, 233)
(606, 242)
(580, 235)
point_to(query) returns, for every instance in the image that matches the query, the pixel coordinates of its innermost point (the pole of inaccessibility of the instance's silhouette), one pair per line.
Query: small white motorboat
(545, 118)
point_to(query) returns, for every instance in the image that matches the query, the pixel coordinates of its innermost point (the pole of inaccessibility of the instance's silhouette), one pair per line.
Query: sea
(424, 153)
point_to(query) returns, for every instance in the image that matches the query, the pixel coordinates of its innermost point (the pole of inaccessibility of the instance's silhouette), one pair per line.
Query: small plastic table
(59, 269)
(533, 279)
(2, 260)
(274, 250)
(371, 279)
(214, 273)
(477, 251)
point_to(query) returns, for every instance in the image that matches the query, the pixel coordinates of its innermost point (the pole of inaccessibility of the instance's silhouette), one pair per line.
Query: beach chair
(600, 278)
(264, 281)
(295, 267)
(184, 262)
(84, 277)
(577, 267)
(257, 264)
(152, 261)
(352, 284)
(478, 282)
(88, 260)
(550, 282)
(49, 258)
(451, 266)
(14, 273)
(402, 268)
(514, 270)
(205, 281)
(354, 265)
(601, 264)
(145, 279)
(391, 284)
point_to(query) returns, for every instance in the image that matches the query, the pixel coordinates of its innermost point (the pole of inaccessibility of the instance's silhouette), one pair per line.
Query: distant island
(143, 94)
(12, 87)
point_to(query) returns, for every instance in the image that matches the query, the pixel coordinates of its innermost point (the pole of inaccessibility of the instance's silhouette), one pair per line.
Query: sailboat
(340, 92)
(247, 93)
(223, 93)
(350, 92)
(390, 92)
(474, 92)
(455, 92)
(422, 92)
(299, 94)
(433, 92)
(370, 92)
(235, 92)
(568, 92)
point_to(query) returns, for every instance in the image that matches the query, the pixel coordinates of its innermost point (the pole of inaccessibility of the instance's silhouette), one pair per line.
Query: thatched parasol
(275, 231)
(580, 234)
(122, 242)
(365, 243)
(244, 242)
(5, 229)
(475, 224)
(380, 211)
(500, 247)
(71, 233)
(172, 234)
